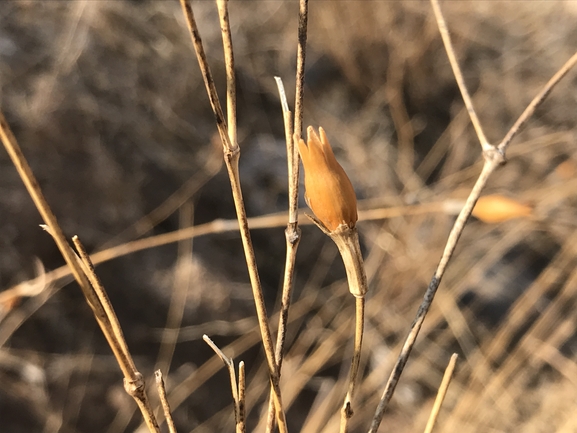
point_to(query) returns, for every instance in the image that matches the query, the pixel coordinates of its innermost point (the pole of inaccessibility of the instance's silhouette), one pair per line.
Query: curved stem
(347, 410)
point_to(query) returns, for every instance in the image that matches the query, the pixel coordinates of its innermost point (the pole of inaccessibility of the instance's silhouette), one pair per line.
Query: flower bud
(328, 191)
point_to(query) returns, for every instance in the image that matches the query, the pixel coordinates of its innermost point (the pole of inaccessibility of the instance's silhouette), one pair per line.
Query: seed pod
(329, 192)
(494, 209)
(330, 195)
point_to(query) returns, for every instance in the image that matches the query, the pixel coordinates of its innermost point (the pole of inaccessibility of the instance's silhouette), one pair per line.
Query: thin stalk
(231, 158)
(537, 100)
(300, 75)
(164, 401)
(454, 236)
(134, 384)
(240, 426)
(458, 74)
(230, 74)
(292, 232)
(83, 272)
(347, 241)
(441, 393)
(228, 147)
(214, 227)
(292, 237)
(347, 410)
(494, 156)
(110, 321)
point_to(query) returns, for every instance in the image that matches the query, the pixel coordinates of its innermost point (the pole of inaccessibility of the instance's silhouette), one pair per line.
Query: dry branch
(494, 157)
(441, 393)
(83, 272)
(231, 157)
(235, 387)
(164, 401)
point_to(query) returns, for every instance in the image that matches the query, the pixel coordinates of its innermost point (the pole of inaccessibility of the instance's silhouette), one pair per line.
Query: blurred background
(108, 105)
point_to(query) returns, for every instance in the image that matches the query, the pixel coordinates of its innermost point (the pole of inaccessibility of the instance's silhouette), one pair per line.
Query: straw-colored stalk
(494, 156)
(83, 271)
(330, 195)
(231, 152)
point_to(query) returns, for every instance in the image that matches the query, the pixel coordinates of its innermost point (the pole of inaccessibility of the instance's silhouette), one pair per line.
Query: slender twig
(230, 74)
(233, 383)
(537, 100)
(134, 383)
(292, 232)
(347, 410)
(300, 74)
(292, 163)
(164, 401)
(29, 180)
(292, 236)
(458, 74)
(228, 147)
(118, 345)
(231, 157)
(454, 236)
(493, 156)
(442, 391)
(241, 424)
(219, 226)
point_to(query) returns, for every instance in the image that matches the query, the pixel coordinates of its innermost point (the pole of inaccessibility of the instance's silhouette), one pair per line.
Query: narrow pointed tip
(311, 134)
(325, 141)
(303, 149)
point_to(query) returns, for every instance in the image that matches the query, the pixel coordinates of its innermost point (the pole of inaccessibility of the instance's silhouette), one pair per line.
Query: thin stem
(33, 188)
(458, 74)
(292, 232)
(292, 236)
(292, 157)
(456, 231)
(110, 321)
(300, 75)
(537, 100)
(347, 410)
(232, 375)
(231, 157)
(241, 424)
(232, 166)
(441, 393)
(133, 382)
(494, 156)
(230, 73)
(207, 77)
(164, 401)
(213, 227)
(347, 241)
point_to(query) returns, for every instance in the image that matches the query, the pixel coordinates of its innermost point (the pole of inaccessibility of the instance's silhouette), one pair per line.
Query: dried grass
(110, 110)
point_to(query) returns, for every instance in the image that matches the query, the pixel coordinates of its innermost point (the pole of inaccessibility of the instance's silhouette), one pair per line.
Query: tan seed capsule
(494, 209)
(329, 192)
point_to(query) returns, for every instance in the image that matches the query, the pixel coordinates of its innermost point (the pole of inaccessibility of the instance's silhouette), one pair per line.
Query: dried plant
(402, 233)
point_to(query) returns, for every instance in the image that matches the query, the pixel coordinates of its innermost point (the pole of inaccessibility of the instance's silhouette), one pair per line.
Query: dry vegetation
(108, 104)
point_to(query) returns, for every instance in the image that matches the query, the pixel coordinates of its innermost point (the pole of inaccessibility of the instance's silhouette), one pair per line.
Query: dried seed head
(329, 192)
(494, 209)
